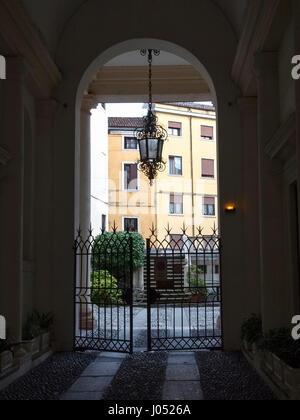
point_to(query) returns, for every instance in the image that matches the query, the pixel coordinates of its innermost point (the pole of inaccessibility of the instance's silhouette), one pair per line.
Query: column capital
(88, 103)
(265, 63)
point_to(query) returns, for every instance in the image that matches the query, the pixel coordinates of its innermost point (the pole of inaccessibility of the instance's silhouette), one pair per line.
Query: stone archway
(216, 65)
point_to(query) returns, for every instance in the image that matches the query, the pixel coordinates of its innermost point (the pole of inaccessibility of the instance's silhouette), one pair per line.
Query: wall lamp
(230, 208)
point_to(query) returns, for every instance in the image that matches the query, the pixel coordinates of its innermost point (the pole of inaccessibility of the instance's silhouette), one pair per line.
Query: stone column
(271, 194)
(11, 202)
(252, 303)
(87, 321)
(44, 195)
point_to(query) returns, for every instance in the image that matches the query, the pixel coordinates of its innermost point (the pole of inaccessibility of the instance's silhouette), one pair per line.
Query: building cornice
(259, 18)
(23, 40)
(184, 113)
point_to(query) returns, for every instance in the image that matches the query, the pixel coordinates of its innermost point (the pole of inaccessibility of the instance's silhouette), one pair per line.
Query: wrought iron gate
(104, 292)
(184, 291)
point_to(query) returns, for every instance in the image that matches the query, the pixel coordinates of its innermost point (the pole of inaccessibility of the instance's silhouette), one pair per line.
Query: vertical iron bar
(75, 296)
(221, 291)
(131, 294)
(148, 294)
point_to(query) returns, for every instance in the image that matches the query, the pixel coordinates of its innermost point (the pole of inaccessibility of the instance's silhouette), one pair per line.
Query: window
(176, 204)
(131, 224)
(209, 206)
(175, 165)
(130, 177)
(130, 143)
(208, 168)
(103, 222)
(207, 133)
(217, 269)
(209, 243)
(176, 241)
(175, 129)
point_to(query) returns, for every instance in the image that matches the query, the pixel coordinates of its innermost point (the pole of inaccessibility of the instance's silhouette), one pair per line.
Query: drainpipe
(192, 173)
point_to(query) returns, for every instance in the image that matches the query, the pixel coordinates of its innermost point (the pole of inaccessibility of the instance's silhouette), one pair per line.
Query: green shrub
(104, 288)
(37, 324)
(196, 281)
(111, 252)
(281, 343)
(252, 330)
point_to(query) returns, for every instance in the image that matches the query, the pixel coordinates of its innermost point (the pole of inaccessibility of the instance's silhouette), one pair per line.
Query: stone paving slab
(182, 390)
(183, 372)
(182, 378)
(96, 378)
(180, 359)
(91, 384)
(102, 368)
(82, 396)
(112, 355)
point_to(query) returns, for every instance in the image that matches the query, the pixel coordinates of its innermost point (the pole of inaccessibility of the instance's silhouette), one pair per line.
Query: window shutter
(207, 131)
(178, 198)
(209, 201)
(133, 177)
(175, 125)
(208, 167)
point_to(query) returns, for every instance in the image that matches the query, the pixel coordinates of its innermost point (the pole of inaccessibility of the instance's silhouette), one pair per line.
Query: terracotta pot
(197, 298)
(32, 346)
(6, 361)
(45, 341)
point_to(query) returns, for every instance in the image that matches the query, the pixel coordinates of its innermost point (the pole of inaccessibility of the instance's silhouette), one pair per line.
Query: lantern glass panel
(153, 148)
(143, 149)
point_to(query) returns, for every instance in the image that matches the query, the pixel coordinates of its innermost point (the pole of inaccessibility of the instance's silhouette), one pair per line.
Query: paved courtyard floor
(162, 376)
(187, 321)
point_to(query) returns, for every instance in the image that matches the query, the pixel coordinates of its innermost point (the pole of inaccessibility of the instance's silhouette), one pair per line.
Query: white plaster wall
(286, 83)
(99, 168)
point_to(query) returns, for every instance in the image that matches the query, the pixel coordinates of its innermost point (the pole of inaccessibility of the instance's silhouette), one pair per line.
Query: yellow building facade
(186, 193)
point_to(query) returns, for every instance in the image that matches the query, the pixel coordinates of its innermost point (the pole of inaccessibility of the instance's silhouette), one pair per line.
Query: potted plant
(31, 336)
(6, 356)
(46, 322)
(252, 333)
(282, 359)
(197, 284)
(40, 326)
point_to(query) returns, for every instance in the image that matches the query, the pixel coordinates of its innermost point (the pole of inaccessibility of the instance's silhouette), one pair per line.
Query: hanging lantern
(151, 136)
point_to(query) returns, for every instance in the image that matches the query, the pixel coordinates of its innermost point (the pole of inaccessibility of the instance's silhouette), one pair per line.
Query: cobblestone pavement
(116, 321)
(228, 376)
(49, 380)
(141, 377)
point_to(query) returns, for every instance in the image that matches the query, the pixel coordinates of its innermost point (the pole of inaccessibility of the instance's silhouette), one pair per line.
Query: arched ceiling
(50, 17)
(235, 11)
